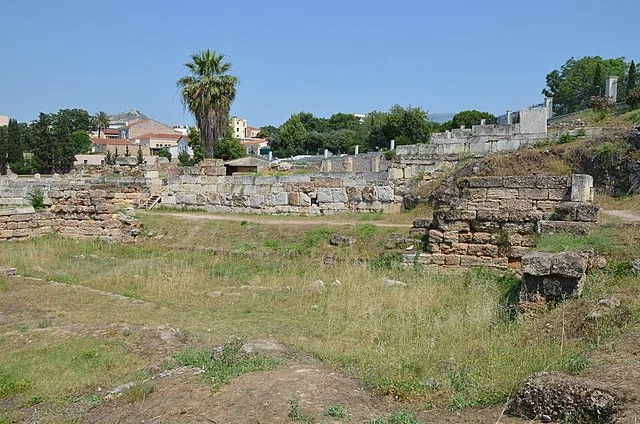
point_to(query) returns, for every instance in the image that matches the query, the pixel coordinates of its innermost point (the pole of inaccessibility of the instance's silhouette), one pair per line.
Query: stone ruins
(492, 221)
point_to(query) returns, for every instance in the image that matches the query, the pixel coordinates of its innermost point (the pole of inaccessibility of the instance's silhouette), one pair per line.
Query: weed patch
(225, 363)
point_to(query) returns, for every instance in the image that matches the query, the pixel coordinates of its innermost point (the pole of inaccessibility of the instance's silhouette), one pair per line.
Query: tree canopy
(577, 80)
(208, 91)
(304, 133)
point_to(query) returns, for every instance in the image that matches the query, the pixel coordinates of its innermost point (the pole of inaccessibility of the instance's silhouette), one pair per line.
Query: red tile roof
(110, 131)
(174, 136)
(253, 128)
(111, 142)
(253, 140)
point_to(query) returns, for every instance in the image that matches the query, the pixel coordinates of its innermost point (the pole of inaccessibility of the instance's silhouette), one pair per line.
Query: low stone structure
(554, 276)
(299, 194)
(555, 397)
(492, 221)
(75, 211)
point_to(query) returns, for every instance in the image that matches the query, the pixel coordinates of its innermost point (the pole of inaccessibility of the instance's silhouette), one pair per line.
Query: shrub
(165, 154)
(389, 154)
(581, 132)
(36, 198)
(184, 159)
(600, 104)
(565, 138)
(633, 98)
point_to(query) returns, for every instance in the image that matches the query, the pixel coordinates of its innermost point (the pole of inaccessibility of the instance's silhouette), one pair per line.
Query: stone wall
(492, 221)
(77, 212)
(301, 194)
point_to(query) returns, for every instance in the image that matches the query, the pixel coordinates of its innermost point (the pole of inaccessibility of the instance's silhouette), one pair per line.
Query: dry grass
(448, 338)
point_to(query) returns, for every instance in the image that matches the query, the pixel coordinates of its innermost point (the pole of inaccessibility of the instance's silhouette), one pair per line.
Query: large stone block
(571, 264)
(581, 188)
(385, 193)
(436, 236)
(536, 263)
(481, 182)
(324, 195)
(502, 193)
(518, 182)
(339, 195)
(534, 193)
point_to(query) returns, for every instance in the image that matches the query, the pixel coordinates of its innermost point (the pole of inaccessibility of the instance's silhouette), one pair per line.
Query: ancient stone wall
(74, 211)
(299, 194)
(492, 221)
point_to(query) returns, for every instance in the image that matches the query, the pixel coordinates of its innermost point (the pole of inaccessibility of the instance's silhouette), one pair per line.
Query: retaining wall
(492, 221)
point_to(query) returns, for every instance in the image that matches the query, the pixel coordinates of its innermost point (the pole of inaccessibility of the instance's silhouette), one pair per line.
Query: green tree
(109, 159)
(631, 77)
(126, 152)
(342, 141)
(598, 82)
(468, 118)
(572, 85)
(81, 142)
(375, 129)
(208, 92)
(140, 156)
(408, 125)
(69, 120)
(293, 135)
(15, 149)
(3, 150)
(100, 121)
(164, 153)
(229, 149)
(343, 121)
(266, 131)
(196, 145)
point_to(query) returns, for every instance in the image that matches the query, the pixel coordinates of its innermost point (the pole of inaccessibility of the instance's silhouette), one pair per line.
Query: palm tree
(208, 91)
(101, 121)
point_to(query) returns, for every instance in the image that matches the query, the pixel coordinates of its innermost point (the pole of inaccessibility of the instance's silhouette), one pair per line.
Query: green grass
(448, 339)
(336, 411)
(63, 367)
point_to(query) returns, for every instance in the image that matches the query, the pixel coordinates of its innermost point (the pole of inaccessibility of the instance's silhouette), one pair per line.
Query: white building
(4, 121)
(239, 127)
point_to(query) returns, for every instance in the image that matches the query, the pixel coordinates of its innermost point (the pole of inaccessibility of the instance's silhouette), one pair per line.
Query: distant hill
(441, 117)
(132, 115)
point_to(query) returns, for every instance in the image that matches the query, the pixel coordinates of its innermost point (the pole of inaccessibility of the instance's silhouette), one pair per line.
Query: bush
(633, 98)
(165, 154)
(389, 154)
(600, 104)
(184, 159)
(36, 198)
(565, 138)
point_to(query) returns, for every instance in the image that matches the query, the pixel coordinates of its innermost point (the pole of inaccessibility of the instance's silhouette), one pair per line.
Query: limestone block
(552, 181)
(525, 216)
(452, 260)
(396, 173)
(483, 250)
(493, 216)
(516, 205)
(324, 195)
(339, 195)
(436, 236)
(418, 232)
(281, 199)
(459, 248)
(537, 263)
(481, 238)
(581, 188)
(465, 237)
(572, 264)
(450, 237)
(482, 182)
(455, 226)
(485, 226)
(385, 193)
(534, 193)
(474, 193)
(484, 205)
(519, 182)
(559, 194)
(502, 193)
(422, 223)
(546, 227)
(471, 261)
(434, 248)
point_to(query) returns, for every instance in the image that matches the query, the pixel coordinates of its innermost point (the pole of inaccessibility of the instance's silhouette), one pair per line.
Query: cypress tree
(14, 143)
(596, 86)
(140, 156)
(43, 148)
(631, 78)
(3, 150)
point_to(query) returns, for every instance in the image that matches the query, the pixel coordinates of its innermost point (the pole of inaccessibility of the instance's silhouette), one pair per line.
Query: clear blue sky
(321, 57)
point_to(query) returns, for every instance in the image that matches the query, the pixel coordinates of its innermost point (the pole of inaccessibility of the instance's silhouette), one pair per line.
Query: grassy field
(448, 339)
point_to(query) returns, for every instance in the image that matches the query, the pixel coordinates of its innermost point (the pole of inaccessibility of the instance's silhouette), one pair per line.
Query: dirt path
(626, 216)
(288, 221)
